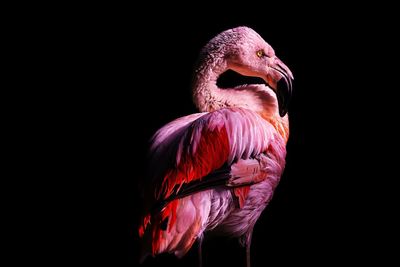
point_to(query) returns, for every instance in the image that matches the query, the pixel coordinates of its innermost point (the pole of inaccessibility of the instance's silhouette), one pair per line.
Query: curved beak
(280, 79)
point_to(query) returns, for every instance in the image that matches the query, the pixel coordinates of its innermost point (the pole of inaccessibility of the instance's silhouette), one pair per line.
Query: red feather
(212, 152)
(241, 193)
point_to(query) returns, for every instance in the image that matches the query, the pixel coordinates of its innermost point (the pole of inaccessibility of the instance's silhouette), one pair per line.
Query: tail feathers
(176, 227)
(143, 226)
(145, 236)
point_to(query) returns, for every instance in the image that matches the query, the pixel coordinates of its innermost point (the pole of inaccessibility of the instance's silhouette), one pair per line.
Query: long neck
(206, 94)
(209, 97)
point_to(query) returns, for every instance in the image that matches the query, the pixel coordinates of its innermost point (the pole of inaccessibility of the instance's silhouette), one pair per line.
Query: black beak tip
(283, 94)
(282, 112)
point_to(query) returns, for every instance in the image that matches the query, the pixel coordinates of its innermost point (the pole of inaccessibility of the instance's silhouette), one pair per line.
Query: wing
(204, 150)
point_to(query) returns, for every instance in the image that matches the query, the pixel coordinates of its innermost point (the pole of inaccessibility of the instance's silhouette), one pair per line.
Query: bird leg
(248, 244)
(199, 249)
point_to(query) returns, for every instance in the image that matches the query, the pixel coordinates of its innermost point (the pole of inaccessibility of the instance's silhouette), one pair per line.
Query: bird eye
(260, 53)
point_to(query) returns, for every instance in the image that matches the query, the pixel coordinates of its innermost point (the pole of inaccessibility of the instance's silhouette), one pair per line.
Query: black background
(329, 207)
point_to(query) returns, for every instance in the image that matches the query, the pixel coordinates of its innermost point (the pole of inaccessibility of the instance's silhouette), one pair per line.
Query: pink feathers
(217, 170)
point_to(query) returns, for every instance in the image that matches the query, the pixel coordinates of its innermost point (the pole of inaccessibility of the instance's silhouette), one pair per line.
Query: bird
(216, 170)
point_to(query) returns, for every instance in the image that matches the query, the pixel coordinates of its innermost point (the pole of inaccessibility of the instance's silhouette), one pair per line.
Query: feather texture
(217, 170)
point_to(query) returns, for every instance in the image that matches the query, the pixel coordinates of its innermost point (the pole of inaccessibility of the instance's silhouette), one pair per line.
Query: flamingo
(216, 170)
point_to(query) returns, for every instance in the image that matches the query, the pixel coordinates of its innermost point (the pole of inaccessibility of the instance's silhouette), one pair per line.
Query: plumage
(217, 170)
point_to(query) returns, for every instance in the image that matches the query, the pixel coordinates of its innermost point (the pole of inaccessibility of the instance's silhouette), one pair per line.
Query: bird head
(248, 54)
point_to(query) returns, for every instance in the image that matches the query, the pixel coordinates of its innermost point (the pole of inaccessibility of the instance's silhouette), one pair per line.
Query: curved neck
(209, 97)
(206, 94)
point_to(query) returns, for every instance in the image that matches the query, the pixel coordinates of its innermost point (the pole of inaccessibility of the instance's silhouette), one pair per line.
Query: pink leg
(199, 244)
(248, 244)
